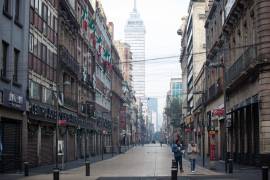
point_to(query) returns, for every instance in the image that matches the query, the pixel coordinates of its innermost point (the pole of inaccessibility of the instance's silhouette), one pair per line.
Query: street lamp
(57, 103)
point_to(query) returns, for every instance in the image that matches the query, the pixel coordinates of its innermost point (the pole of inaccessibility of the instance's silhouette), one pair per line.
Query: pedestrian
(192, 153)
(177, 149)
(160, 143)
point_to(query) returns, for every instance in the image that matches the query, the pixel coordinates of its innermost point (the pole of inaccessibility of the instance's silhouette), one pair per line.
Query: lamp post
(56, 102)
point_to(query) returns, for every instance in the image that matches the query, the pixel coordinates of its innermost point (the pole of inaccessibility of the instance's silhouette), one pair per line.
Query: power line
(188, 54)
(158, 59)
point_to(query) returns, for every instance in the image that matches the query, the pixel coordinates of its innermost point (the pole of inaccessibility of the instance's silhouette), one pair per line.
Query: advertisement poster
(60, 147)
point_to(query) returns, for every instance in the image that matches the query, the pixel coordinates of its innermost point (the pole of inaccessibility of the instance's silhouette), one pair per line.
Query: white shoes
(193, 171)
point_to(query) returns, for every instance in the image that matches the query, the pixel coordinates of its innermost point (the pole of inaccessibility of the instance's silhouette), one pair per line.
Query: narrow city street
(140, 162)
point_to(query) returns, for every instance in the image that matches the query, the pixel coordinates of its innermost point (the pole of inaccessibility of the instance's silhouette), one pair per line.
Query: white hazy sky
(162, 19)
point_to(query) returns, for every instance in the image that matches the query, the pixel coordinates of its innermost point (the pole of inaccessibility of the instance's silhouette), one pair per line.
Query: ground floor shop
(244, 134)
(12, 135)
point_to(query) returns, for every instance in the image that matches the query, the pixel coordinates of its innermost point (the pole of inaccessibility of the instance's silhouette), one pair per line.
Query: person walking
(192, 153)
(178, 149)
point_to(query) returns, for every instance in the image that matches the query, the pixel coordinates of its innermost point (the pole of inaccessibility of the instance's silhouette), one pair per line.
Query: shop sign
(218, 112)
(62, 122)
(60, 147)
(51, 114)
(12, 100)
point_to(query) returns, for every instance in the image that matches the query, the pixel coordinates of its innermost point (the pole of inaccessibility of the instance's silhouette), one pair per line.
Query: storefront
(244, 133)
(12, 131)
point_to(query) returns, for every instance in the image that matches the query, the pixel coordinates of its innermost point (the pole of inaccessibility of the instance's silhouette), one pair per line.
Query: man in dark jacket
(178, 149)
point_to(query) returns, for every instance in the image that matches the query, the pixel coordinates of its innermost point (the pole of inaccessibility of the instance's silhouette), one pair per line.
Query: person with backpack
(178, 150)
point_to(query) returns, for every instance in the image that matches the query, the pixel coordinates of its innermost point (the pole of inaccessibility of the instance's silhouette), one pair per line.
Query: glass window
(3, 66)
(7, 6)
(17, 10)
(35, 90)
(33, 3)
(16, 61)
(35, 45)
(31, 44)
(36, 5)
(47, 96)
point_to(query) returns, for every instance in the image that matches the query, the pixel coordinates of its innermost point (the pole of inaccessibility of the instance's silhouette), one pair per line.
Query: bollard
(174, 163)
(87, 168)
(56, 174)
(265, 173)
(26, 168)
(230, 161)
(174, 173)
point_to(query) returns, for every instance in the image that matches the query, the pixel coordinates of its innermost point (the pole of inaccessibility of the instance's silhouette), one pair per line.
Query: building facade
(246, 82)
(214, 82)
(193, 41)
(14, 29)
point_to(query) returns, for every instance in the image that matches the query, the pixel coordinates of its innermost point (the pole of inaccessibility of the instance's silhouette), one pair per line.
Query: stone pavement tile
(141, 162)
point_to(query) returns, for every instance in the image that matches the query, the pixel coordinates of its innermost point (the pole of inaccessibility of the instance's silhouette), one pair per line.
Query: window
(35, 45)
(55, 23)
(31, 43)
(44, 53)
(36, 5)
(47, 96)
(4, 59)
(34, 90)
(45, 18)
(16, 61)
(7, 6)
(33, 3)
(17, 10)
(44, 12)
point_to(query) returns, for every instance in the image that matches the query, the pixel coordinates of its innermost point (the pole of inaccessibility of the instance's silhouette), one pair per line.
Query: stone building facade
(193, 41)
(246, 35)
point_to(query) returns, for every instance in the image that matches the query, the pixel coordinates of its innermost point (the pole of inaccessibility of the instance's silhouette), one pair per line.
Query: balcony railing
(69, 61)
(241, 65)
(214, 91)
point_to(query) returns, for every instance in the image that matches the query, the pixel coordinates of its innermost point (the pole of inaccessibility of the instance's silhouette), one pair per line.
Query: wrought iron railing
(241, 65)
(68, 60)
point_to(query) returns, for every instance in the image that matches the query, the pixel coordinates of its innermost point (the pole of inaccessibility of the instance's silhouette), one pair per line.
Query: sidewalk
(239, 171)
(67, 165)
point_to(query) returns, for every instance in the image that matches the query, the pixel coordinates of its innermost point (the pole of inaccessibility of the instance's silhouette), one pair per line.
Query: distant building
(135, 37)
(176, 88)
(152, 107)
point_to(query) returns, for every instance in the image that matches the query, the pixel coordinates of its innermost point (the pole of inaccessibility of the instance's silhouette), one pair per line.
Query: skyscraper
(135, 37)
(152, 107)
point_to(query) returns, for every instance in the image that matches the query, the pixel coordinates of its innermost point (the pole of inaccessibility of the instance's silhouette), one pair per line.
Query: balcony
(214, 91)
(86, 79)
(242, 66)
(67, 60)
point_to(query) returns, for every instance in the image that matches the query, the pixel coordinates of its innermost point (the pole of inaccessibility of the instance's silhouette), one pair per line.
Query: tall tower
(135, 37)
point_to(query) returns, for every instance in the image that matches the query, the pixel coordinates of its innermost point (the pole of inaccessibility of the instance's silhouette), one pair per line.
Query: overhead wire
(158, 59)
